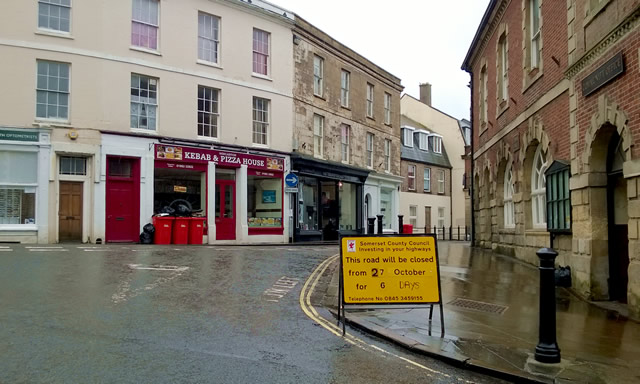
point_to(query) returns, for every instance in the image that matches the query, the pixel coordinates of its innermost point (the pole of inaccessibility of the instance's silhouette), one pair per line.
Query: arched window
(509, 214)
(538, 190)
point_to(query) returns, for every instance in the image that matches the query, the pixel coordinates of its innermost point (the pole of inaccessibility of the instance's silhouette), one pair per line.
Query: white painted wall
(421, 201)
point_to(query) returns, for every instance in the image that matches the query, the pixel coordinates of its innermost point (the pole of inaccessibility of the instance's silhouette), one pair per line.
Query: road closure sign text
(390, 270)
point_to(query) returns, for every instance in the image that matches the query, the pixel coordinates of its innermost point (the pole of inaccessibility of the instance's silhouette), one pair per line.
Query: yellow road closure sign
(390, 270)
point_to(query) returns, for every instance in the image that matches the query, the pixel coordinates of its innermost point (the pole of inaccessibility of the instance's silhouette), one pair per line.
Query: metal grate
(479, 306)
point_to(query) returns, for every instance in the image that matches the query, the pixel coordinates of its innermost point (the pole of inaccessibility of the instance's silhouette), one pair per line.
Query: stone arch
(534, 134)
(504, 160)
(608, 114)
(534, 137)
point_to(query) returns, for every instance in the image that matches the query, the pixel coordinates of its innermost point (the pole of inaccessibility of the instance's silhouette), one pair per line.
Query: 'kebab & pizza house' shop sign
(222, 158)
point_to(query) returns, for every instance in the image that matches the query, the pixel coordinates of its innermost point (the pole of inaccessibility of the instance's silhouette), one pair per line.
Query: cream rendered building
(452, 199)
(118, 107)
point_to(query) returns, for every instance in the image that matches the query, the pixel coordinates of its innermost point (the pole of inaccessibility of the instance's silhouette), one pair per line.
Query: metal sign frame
(342, 306)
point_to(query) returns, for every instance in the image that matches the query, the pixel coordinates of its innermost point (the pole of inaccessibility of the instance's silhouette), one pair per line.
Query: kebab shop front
(240, 194)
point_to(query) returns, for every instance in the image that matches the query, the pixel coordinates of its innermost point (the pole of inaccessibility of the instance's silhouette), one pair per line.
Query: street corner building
(113, 111)
(346, 146)
(554, 124)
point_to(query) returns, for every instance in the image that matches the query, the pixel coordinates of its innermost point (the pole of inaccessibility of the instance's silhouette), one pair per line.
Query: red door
(225, 210)
(123, 199)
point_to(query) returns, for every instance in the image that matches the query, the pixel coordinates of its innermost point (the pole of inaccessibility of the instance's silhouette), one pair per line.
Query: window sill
(531, 77)
(18, 227)
(502, 107)
(39, 122)
(53, 33)
(507, 231)
(345, 107)
(209, 64)
(426, 191)
(536, 231)
(150, 132)
(371, 118)
(208, 138)
(388, 125)
(484, 127)
(260, 76)
(319, 97)
(145, 50)
(256, 145)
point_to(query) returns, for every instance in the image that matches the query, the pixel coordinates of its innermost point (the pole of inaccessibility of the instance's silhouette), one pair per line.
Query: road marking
(48, 250)
(280, 288)
(43, 247)
(96, 250)
(6, 250)
(171, 268)
(90, 247)
(4, 247)
(310, 311)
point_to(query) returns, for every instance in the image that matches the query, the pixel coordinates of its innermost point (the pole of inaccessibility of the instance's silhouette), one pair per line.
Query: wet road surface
(133, 314)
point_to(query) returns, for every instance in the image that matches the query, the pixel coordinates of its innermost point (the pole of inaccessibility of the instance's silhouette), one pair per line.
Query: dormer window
(435, 142)
(422, 140)
(407, 136)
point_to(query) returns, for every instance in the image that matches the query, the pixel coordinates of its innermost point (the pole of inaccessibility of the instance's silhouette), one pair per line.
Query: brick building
(554, 117)
(346, 147)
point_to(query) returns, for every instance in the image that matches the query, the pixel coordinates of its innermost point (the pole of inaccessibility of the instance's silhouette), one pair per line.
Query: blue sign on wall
(291, 180)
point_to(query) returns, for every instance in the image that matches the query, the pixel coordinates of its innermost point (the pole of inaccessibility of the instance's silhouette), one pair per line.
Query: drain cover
(479, 306)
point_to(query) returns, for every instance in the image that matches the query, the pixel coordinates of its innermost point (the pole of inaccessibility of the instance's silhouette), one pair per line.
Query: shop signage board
(291, 183)
(390, 270)
(19, 136)
(603, 74)
(224, 158)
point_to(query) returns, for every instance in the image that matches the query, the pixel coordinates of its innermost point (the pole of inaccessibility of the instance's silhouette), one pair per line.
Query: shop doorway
(225, 209)
(122, 199)
(70, 212)
(329, 209)
(617, 222)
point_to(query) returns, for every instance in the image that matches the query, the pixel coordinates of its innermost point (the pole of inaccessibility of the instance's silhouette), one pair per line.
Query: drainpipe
(471, 178)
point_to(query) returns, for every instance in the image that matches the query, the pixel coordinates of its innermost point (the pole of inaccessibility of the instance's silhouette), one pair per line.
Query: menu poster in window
(269, 197)
(168, 152)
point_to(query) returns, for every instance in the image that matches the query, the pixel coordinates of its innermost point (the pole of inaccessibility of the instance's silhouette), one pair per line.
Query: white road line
(6, 250)
(172, 268)
(280, 288)
(48, 250)
(91, 247)
(96, 250)
(43, 247)
(3, 247)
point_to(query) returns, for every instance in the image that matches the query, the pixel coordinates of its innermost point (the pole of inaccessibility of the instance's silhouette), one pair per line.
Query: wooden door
(427, 220)
(225, 210)
(123, 200)
(70, 212)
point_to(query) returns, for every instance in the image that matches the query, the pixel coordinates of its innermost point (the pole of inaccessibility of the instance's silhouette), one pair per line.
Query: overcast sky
(416, 40)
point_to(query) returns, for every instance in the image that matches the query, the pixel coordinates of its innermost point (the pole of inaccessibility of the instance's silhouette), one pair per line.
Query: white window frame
(213, 112)
(211, 37)
(369, 149)
(345, 86)
(423, 142)
(441, 179)
(437, 144)
(149, 105)
(261, 121)
(318, 135)
(413, 215)
(318, 76)
(426, 187)
(147, 23)
(534, 35)
(411, 178)
(387, 155)
(370, 91)
(503, 76)
(441, 214)
(387, 108)
(407, 137)
(509, 213)
(345, 143)
(53, 5)
(484, 109)
(539, 190)
(267, 55)
(44, 92)
(73, 166)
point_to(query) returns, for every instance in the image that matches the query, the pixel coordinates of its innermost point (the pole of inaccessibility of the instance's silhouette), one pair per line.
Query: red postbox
(407, 228)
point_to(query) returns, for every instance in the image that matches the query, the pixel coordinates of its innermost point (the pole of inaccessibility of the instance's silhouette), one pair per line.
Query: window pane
(18, 167)
(264, 202)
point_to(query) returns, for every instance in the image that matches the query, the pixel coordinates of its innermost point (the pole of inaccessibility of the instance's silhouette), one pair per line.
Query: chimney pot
(425, 93)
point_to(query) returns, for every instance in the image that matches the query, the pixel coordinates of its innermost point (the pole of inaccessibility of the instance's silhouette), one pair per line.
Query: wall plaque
(604, 74)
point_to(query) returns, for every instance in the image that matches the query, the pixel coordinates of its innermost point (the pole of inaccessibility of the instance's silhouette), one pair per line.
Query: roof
(418, 155)
(466, 64)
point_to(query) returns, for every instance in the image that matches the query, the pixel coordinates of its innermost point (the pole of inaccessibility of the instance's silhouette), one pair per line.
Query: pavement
(494, 328)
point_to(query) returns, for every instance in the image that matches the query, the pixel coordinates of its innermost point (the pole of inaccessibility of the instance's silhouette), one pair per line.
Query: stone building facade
(346, 137)
(553, 89)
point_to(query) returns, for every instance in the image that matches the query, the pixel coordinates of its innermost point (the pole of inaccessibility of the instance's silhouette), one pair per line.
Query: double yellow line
(309, 310)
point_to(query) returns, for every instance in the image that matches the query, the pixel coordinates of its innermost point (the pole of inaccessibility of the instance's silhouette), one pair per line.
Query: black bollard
(380, 224)
(400, 223)
(371, 225)
(547, 350)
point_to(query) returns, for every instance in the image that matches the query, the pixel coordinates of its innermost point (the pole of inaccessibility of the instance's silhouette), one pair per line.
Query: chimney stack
(425, 93)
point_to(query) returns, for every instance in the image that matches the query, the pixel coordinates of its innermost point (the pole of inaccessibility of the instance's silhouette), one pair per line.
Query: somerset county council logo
(351, 245)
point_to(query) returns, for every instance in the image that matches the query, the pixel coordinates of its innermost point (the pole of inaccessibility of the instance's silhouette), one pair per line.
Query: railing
(447, 233)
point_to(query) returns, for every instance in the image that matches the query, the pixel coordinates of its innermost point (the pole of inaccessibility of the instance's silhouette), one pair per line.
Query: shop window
(179, 186)
(73, 165)
(264, 201)
(347, 206)
(558, 198)
(18, 187)
(308, 204)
